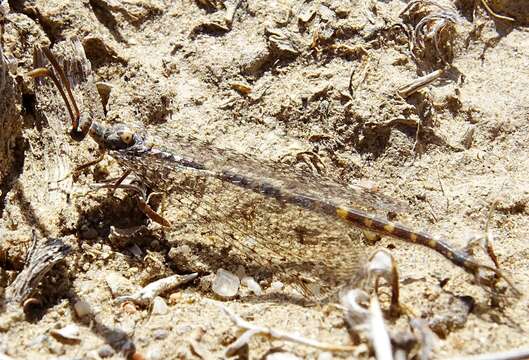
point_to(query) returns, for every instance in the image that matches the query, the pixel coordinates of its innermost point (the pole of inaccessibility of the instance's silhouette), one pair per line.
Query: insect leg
(143, 199)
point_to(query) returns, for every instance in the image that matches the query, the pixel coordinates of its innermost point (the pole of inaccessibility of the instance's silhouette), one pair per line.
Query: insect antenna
(78, 131)
(55, 64)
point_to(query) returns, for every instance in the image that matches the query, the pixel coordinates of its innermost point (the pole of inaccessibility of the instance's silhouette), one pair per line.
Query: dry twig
(489, 235)
(253, 330)
(146, 295)
(369, 322)
(486, 241)
(442, 188)
(419, 83)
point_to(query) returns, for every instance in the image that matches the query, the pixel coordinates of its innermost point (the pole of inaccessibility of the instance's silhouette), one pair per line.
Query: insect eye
(127, 137)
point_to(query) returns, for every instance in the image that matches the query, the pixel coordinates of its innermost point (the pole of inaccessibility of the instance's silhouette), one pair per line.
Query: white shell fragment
(252, 285)
(159, 306)
(226, 284)
(68, 334)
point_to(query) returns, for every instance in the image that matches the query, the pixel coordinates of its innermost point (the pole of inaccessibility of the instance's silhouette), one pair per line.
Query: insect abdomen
(388, 228)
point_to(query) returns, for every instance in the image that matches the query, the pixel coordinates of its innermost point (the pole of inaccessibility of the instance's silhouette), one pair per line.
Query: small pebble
(276, 286)
(159, 307)
(56, 348)
(325, 356)
(153, 353)
(137, 356)
(117, 284)
(254, 56)
(104, 90)
(226, 284)
(160, 334)
(4, 8)
(92, 355)
(136, 251)
(179, 251)
(371, 236)
(252, 285)
(175, 298)
(183, 329)
(105, 351)
(82, 308)
(129, 308)
(468, 136)
(106, 252)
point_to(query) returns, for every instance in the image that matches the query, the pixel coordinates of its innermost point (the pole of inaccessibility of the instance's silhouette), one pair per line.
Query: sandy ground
(311, 85)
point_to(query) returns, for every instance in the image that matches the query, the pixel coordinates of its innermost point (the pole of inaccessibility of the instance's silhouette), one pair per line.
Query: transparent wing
(232, 227)
(279, 174)
(272, 236)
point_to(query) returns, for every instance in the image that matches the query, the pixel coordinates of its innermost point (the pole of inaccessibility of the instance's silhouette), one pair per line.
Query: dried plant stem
(147, 294)
(419, 83)
(379, 335)
(252, 330)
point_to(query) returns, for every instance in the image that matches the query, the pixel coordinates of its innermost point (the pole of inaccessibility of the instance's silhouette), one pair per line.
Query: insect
(209, 183)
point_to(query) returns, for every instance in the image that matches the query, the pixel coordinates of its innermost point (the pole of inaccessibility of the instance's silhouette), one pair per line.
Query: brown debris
(434, 28)
(41, 258)
(284, 42)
